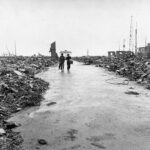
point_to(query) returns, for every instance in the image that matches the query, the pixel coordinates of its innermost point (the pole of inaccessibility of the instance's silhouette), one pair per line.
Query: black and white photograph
(74, 75)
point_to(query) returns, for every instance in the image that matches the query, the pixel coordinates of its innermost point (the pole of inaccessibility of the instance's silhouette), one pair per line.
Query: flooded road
(89, 113)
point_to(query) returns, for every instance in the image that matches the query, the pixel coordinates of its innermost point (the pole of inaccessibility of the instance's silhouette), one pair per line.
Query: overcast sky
(75, 25)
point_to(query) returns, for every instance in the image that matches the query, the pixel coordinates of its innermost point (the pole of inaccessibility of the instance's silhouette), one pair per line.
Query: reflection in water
(68, 71)
(72, 86)
(62, 73)
(85, 101)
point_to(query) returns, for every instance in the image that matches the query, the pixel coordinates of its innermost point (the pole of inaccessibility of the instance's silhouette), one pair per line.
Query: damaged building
(144, 51)
(120, 54)
(54, 55)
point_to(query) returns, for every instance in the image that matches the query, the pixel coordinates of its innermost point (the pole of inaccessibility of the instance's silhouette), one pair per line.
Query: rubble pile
(28, 65)
(88, 60)
(19, 88)
(133, 67)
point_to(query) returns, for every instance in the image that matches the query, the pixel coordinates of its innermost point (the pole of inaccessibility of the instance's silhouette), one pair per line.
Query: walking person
(68, 58)
(61, 62)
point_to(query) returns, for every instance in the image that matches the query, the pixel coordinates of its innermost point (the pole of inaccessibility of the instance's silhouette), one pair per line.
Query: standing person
(61, 62)
(68, 58)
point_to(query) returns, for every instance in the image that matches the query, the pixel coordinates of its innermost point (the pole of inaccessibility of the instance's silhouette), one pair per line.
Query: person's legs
(63, 66)
(68, 66)
(59, 66)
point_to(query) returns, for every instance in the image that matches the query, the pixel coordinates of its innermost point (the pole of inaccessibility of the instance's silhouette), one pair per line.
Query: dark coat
(68, 58)
(61, 59)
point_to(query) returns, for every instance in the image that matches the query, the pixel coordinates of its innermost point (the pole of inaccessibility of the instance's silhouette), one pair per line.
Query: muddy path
(82, 111)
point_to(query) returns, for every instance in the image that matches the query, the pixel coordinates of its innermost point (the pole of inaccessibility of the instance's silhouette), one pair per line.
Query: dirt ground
(91, 112)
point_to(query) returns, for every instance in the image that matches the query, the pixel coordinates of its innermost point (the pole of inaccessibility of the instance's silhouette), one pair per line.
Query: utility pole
(145, 48)
(124, 45)
(119, 46)
(87, 52)
(7, 50)
(131, 36)
(136, 40)
(145, 41)
(15, 49)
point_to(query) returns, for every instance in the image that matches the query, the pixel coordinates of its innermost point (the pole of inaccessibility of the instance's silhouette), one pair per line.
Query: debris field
(19, 88)
(135, 68)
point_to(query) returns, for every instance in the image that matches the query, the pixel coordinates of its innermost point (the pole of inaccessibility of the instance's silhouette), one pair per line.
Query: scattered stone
(18, 73)
(75, 147)
(139, 81)
(11, 125)
(18, 109)
(132, 93)
(37, 148)
(42, 141)
(71, 135)
(131, 88)
(51, 103)
(2, 131)
(148, 87)
(98, 145)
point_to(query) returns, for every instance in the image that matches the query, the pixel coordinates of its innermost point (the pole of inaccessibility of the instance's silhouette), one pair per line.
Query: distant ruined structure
(54, 55)
(119, 54)
(111, 54)
(144, 51)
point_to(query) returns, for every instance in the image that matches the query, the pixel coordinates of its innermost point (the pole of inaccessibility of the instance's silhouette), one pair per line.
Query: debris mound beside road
(19, 88)
(135, 68)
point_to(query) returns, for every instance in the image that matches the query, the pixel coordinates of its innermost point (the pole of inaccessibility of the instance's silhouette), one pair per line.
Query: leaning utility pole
(131, 36)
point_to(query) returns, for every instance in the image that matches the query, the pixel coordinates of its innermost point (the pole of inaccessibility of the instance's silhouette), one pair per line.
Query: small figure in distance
(61, 62)
(69, 61)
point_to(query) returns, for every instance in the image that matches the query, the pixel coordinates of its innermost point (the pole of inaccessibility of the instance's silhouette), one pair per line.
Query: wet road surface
(90, 113)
